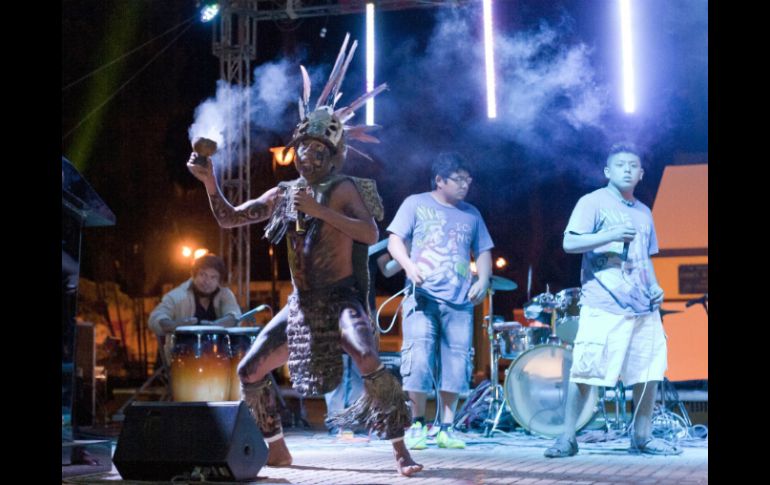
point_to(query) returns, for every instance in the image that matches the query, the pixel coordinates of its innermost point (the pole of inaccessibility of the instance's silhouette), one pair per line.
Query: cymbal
(502, 284)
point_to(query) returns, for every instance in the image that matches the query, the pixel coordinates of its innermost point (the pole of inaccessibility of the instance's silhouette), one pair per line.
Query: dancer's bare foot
(404, 462)
(278, 454)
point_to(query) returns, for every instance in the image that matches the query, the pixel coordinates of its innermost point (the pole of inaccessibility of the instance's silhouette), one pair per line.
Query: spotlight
(322, 34)
(209, 11)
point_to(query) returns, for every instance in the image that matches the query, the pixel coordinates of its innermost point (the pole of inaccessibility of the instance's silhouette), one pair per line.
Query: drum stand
(553, 338)
(497, 401)
(620, 421)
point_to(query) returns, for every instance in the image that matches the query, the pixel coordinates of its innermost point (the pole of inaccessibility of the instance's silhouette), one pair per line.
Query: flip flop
(562, 449)
(655, 446)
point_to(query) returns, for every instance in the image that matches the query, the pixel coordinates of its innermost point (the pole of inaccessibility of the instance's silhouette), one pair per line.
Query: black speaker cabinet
(218, 440)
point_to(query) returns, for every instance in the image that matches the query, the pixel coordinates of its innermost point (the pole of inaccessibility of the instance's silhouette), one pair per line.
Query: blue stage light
(209, 11)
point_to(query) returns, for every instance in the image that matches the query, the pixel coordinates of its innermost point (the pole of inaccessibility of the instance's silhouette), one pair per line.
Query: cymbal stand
(549, 306)
(497, 399)
(620, 421)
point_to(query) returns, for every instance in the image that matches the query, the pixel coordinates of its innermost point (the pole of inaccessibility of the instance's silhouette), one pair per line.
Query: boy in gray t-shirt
(443, 232)
(620, 333)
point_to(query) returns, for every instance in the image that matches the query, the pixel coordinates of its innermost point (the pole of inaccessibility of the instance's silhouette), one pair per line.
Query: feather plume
(347, 112)
(341, 76)
(335, 72)
(305, 85)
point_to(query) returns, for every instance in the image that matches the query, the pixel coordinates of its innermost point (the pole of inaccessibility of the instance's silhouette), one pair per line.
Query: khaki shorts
(609, 346)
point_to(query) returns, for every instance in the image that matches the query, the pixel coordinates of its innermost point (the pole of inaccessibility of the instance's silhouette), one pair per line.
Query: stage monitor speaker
(215, 441)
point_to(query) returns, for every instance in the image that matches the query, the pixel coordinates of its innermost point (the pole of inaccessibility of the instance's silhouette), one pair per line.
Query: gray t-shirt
(441, 240)
(609, 284)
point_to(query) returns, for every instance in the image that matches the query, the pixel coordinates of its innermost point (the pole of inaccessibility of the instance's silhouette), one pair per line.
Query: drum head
(250, 331)
(200, 329)
(535, 387)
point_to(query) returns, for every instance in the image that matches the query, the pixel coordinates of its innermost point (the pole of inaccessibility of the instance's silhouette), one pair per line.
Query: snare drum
(241, 340)
(536, 390)
(200, 364)
(509, 335)
(568, 314)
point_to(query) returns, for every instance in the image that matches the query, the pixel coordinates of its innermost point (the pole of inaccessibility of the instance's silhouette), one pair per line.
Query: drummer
(198, 301)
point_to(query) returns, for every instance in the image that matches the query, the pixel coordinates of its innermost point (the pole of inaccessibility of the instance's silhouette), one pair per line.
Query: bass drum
(536, 390)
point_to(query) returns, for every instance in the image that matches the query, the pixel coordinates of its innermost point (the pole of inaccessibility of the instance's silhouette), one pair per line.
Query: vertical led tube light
(629, 97)
(370, 61)
(490, 60)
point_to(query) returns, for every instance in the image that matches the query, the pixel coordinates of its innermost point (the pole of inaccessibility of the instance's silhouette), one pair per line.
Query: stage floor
(516, 459)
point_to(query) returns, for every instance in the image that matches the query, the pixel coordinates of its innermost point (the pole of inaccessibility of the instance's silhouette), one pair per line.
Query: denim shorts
(433, 328)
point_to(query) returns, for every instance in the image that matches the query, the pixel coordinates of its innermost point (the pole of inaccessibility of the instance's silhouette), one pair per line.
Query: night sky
(545, 150)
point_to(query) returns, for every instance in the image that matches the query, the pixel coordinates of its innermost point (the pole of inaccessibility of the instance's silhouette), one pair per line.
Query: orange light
(280, 158)
(186, 251)
(501, 263)
(200, 252)
(473, 267)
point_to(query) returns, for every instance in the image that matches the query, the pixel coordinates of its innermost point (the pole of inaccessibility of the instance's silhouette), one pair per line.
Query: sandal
(655, 446)
(562, 448)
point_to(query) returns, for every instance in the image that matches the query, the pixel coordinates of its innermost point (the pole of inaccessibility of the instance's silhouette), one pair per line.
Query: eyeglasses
(461, 180)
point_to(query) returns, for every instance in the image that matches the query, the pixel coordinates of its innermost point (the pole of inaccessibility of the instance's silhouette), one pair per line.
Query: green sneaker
(416, 437)
(446, 439)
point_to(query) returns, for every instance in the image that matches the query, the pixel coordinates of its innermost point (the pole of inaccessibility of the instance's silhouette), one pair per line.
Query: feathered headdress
(324, 122)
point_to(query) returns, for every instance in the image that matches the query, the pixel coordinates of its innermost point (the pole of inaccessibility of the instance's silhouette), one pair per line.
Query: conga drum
(200, 364)
(241, 339)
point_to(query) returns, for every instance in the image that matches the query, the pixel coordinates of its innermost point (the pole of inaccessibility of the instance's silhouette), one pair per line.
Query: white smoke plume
(267, 102)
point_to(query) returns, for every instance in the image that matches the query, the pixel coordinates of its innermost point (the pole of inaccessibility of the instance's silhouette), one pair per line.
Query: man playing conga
(198, 301)
(328, 221)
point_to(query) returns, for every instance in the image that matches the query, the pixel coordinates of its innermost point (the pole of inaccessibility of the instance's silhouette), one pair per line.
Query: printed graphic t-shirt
(442, 239)
(607, 283)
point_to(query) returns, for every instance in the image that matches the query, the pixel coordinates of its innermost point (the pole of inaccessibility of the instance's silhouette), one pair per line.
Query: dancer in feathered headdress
(328, 220)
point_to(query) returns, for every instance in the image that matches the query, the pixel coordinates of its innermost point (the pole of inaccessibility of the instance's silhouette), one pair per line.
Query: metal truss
(235, 44)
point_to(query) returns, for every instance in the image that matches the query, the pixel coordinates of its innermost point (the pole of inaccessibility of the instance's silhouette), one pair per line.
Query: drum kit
(535, 385)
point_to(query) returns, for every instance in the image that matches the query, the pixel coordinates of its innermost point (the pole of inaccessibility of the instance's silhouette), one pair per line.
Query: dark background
(133, 150)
